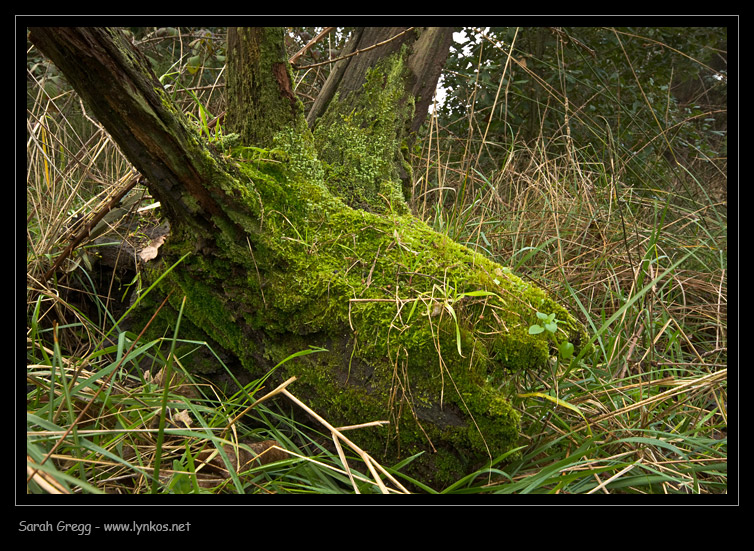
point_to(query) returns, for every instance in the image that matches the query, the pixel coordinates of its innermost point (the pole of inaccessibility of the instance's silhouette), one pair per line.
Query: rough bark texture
(428, 49)
(419, 330)
(261, 101)
(395, 116)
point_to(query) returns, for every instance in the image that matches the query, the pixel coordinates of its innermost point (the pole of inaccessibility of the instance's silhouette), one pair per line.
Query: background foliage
(666, 82)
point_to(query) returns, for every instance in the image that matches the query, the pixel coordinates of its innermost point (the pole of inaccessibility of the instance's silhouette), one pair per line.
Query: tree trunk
(118, 83)
(428, 51)
(305, 240)
(398, 68)
(261, 101)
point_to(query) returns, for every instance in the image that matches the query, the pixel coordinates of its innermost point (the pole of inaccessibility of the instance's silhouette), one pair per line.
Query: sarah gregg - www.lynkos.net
(86, 528)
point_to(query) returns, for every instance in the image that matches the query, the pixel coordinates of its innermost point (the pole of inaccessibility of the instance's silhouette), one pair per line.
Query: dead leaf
(179, 383)
(184, 417)
(149, 252)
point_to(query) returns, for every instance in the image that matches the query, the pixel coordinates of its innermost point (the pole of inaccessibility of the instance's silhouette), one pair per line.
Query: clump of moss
(421, 330)
(359, 142)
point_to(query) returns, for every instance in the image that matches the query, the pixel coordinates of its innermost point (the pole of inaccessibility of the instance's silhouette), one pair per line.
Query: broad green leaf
(536, 329)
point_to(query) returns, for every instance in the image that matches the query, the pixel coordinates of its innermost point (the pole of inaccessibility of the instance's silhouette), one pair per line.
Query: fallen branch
(86, 230)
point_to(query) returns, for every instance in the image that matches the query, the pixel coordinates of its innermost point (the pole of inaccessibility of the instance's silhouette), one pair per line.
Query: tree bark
(420, 330)
(423, 51)
(260, 97)
(428, 50)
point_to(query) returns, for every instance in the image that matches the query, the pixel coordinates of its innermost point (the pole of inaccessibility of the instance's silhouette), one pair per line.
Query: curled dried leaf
(179, 384)
(150, 251)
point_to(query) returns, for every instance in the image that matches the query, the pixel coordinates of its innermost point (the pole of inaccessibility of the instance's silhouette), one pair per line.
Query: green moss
(384, 284)
(421, 331)
(359, 141)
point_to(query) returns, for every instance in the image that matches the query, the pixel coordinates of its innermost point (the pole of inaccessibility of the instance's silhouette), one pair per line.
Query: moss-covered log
(305, 240)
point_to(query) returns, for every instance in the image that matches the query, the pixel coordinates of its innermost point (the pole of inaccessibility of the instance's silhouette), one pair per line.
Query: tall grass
(643, 265)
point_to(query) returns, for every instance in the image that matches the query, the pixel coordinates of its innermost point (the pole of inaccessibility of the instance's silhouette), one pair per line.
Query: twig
(336, 434)
(270, 394)
(631, 347)
(357, 52)
(616, 475)
(309, 44)
(371, 463)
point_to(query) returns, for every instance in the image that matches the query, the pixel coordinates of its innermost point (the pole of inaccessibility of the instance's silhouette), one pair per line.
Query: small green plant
(550, 324)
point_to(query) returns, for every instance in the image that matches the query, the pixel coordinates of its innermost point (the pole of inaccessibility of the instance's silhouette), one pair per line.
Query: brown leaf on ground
(150, 251)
